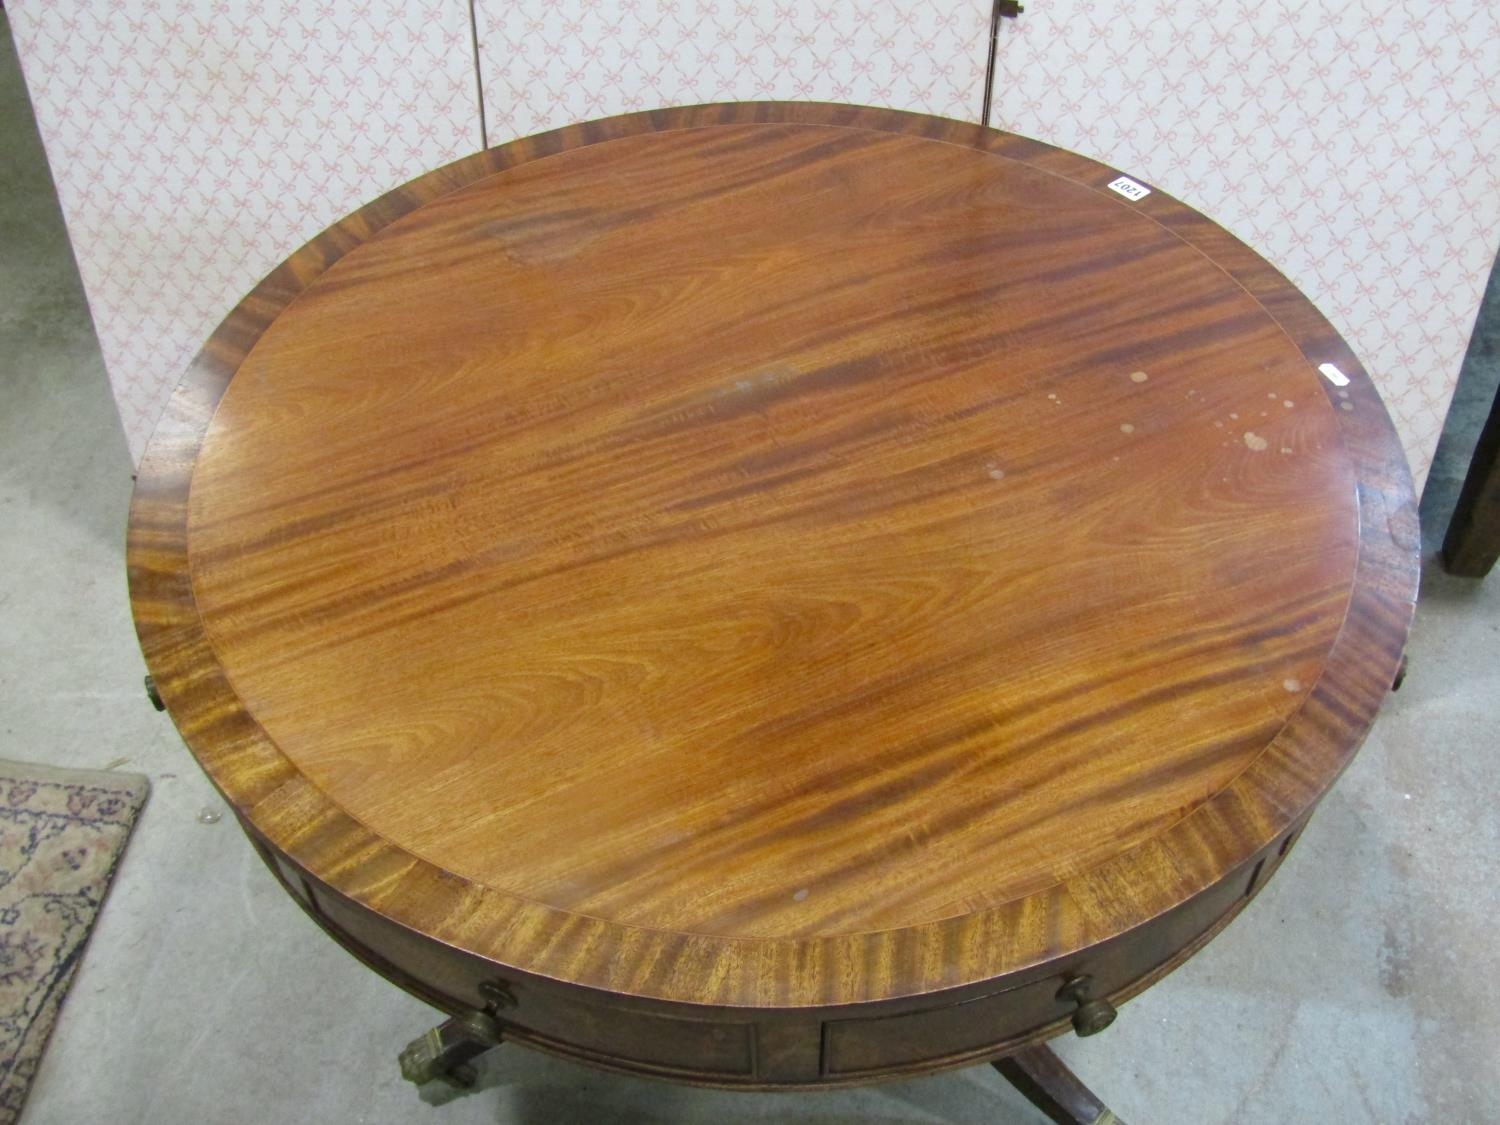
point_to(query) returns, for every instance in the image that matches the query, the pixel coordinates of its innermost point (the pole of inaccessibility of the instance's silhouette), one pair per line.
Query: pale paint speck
(800, 895)
(1219, 424)
(1232, 414)
(1288, 403)
(1286, 449)
(1291, 683)
(1138, 376)
(1254, 441)
(1346, 406)
(1126, 428)
(996, 472)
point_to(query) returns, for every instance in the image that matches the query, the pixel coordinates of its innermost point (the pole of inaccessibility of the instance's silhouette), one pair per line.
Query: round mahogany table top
(773, 554)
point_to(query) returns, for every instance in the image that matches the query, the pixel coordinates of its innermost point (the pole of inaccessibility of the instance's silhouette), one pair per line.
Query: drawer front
(879, 1043)
(561, 1019)
(986, 1026)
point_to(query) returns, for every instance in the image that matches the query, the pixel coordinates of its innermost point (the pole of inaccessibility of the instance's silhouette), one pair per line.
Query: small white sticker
(1129, 188)
(1333, 375)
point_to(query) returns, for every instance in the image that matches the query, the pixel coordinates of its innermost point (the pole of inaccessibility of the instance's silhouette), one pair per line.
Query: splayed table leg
(1047, 1083)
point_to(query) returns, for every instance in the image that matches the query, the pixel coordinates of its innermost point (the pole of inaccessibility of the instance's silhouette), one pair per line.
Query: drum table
(774, 595)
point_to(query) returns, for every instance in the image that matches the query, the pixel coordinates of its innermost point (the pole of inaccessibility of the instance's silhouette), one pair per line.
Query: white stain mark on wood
(1126, 428)
(1138, 376)
(995, 471)
(1292, 684)
(1333, 375)
(1255, 442)
(800, 895)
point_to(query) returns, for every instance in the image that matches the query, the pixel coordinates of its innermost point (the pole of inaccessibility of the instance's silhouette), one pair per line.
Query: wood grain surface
(773, 555)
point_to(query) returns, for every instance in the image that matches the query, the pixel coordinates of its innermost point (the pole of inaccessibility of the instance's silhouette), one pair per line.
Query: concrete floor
(1363, 984)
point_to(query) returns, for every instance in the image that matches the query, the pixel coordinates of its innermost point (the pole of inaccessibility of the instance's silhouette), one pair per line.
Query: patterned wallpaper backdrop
(1354, 143)
(195, 143)
(548, 62)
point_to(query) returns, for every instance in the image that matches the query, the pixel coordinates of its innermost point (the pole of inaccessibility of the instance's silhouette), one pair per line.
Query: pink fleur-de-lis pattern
(1354, 143)
(547, 63)
(196, 143)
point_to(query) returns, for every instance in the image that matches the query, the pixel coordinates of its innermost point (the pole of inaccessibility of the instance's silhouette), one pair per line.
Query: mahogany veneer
(774, 589)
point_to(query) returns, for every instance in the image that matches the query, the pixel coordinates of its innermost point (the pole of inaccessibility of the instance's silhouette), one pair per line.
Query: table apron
(778, 1049)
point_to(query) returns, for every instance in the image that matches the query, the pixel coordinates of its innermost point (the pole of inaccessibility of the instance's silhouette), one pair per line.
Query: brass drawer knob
(1092, 1015)
(484, 1025)
(497, 996)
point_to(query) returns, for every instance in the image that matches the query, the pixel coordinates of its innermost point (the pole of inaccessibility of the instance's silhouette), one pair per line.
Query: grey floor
(1363, 984)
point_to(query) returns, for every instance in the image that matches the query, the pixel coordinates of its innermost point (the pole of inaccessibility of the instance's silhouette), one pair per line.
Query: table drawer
(986, 1026)
(879, 1043)
(564, 1020)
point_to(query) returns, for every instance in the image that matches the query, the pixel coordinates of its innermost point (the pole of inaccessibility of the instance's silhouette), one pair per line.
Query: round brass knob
(497, 996)
(1093, 1015)
(484, 1025)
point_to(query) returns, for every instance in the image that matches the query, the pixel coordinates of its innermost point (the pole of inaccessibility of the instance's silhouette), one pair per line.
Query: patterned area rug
(62, 832)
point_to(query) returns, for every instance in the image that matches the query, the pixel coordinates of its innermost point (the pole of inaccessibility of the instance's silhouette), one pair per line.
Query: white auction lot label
(1129, 188)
